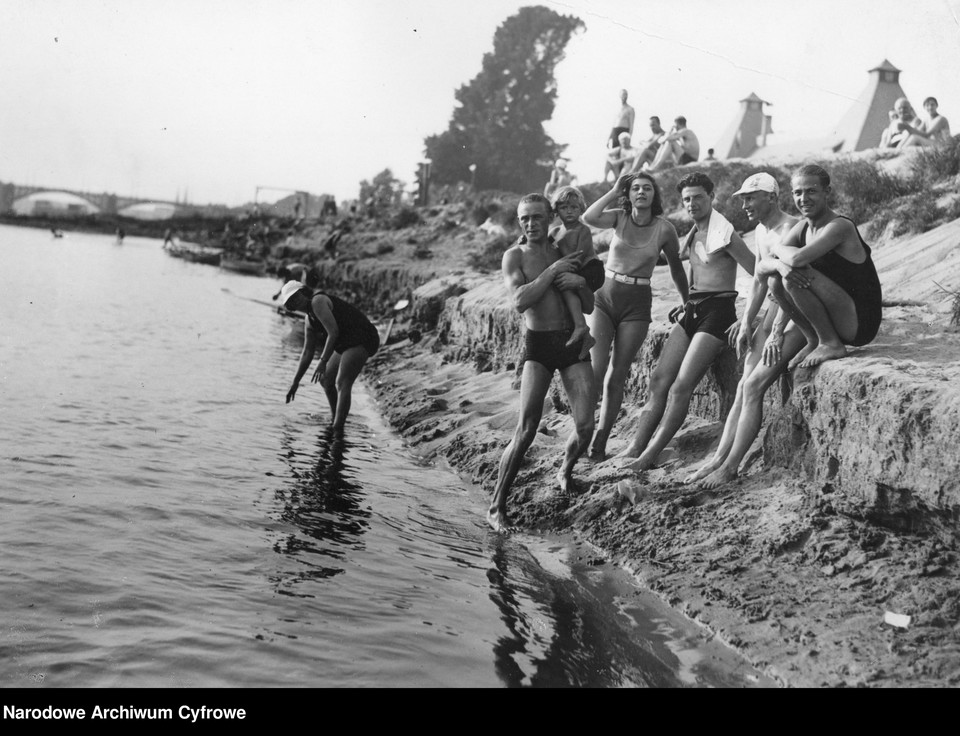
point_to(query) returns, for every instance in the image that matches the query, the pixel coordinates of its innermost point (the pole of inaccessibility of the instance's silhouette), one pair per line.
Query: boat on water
(195, 253)
(240, 265)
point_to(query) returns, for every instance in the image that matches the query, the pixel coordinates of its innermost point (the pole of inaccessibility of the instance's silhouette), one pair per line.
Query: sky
(210, 100)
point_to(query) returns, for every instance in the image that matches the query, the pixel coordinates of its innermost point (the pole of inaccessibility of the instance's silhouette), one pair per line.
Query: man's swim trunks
(860, 281)
(712, 313)
(355, 328)
(549, 349)
(686, 158)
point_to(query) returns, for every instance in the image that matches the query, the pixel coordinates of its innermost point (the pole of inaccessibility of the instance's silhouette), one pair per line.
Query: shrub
(405, 217)
(935, 164)
(384, 248)
(489, 256)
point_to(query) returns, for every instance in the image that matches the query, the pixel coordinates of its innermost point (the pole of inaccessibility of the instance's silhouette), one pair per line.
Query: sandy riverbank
(768, 563)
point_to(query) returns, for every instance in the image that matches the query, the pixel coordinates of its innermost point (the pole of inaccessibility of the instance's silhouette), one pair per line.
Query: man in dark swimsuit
(534, 272)
(827, 281)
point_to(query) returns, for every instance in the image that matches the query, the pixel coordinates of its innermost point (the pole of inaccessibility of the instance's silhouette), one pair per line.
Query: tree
(385, 189)
(498, 121)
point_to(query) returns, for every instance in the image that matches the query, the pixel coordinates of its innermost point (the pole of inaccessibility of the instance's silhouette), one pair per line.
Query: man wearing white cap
(347, 338)
(760, 201)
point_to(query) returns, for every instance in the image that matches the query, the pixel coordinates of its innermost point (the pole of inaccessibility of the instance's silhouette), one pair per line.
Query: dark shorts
(686, 158)
(615, 136)
(712, 315)
(624, 302)
(549, 349)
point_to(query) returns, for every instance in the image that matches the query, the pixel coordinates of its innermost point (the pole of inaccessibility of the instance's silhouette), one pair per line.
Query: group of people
(907, 130)
(815, 274)
(661, 150)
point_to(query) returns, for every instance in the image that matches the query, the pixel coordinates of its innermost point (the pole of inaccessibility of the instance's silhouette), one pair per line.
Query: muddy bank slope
(846, 511)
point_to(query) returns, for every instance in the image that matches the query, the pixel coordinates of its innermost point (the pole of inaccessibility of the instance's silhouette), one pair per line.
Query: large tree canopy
(498, 121)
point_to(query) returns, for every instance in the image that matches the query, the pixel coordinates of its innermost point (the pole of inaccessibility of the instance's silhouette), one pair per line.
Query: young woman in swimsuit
(621, 316)
(347, 339)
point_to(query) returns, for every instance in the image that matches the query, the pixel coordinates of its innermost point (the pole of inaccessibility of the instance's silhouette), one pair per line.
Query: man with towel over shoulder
(701, 325)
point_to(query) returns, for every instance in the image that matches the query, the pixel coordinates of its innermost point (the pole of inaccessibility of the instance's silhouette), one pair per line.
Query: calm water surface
(166, 520)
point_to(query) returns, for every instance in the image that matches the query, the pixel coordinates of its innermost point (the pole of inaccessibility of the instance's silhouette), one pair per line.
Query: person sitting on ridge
(932, 132)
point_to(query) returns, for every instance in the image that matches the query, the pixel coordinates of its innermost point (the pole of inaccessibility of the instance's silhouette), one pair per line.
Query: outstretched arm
(306, 356)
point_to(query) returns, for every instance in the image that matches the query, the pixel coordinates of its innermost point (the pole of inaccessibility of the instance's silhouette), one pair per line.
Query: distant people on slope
(680, 146)
(901, 117)
(621, 158)
(934, 131)
(648, 149)
(559, 177)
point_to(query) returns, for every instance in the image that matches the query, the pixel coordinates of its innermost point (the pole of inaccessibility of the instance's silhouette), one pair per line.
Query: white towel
(719, 234)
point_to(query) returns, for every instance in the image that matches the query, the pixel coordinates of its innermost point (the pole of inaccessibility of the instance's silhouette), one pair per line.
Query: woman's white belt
(624, 279)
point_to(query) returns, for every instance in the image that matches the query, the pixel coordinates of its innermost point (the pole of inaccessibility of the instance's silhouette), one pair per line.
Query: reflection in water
(566, 641)
(324, 504)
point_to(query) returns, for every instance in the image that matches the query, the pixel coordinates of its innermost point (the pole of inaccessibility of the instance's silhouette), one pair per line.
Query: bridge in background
(105, 201)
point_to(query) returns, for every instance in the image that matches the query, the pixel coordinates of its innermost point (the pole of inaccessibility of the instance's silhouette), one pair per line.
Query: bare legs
(342, 372)
(733, 416)
(751, 412)
(578, 382)
(534, 383)
(612, 358)
(682, 365)
(828, 310)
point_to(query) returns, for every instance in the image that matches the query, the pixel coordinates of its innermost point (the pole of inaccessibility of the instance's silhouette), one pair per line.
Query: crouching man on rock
(536, 273)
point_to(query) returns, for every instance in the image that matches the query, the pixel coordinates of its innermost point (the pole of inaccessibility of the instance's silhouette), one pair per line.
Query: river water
(166, 520)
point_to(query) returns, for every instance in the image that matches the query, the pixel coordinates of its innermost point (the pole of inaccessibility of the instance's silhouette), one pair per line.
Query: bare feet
(499, 521)
(801, 356)
(598, 448)
(568, 486)
(823, 353)
(582, 333)
(718, 477)
(705, 470)
(639, 465)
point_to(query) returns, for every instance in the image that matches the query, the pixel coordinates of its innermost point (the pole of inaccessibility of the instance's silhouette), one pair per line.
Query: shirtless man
(649, 148)
(701, 324)
(760, 201)
(895, 134)
(534, 272)
(932, 132)
(680, 146)
(623, 122)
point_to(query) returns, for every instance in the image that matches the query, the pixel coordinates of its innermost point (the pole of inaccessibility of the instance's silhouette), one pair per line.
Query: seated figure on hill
(621, 158)
(680, 146)
(934, 131)
(901, 116)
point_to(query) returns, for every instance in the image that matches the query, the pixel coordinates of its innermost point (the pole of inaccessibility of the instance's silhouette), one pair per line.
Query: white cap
(561, 164)
(289, 289)
(761, 182)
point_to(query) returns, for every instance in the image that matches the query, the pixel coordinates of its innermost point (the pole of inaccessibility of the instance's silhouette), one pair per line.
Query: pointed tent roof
(740, 138)
(864, 123)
